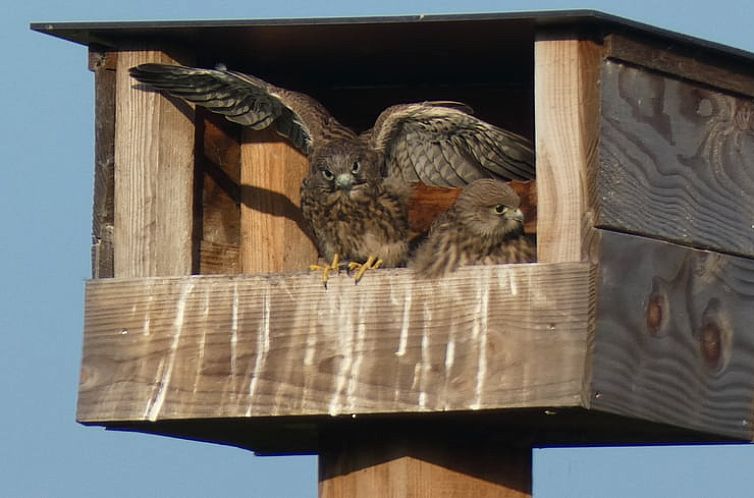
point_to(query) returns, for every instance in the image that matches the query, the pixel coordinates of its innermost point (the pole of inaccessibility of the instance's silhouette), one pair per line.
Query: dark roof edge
(79, 32)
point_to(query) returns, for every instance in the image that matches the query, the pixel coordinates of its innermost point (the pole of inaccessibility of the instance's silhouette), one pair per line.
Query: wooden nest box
(636, 324)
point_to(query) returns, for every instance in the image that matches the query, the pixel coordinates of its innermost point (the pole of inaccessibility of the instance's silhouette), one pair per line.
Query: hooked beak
(515, 214)
(344, 181)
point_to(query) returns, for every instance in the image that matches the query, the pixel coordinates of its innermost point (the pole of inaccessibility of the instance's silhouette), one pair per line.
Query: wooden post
(566, 96)
(273, 233)
(383, 465)
(154, 174)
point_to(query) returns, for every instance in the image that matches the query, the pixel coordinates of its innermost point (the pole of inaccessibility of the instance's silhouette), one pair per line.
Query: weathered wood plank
(684, 62)
(220, 166)
(103, 217)
(272, 345)
(424, 468)
(566, 72)
(676, 161)
(274, 235)
(154, 173)
(674, 340)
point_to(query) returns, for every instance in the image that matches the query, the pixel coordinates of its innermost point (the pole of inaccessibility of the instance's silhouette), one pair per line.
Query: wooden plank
(675, 161)
(566, 72)
(154, 173)
(272, 345)
(103, 218)
(274, 235)
(219, 164)
(674, 342)
(424, 468)
(683, 62)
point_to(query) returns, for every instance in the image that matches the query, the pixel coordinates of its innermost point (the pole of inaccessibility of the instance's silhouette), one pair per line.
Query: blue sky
(46, 146)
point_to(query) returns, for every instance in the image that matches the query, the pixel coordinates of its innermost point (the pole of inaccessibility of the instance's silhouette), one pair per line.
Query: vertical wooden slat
(154, 166)
(103, 65)
(218, 188)
(273, 232)
(566, 111)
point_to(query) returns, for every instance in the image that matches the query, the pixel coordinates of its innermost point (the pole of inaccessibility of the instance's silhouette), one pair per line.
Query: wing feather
(446, 146)
(243, 99)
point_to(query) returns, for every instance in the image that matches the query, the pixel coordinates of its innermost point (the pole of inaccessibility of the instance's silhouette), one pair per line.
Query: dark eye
(356, 167)
(327, 174)
(500, 209)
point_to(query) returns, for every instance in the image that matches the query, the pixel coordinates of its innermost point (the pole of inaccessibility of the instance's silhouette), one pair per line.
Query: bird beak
(344, 181)
(516, 214)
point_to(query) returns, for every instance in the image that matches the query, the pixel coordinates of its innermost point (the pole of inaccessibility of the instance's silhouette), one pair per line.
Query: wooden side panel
(683, 62)
(154, 174)
(566, 111)
(220, 193)
(676, 161)
(103, 216)
(425, 469)
(209, 347)
(674, 340)
(274, 235)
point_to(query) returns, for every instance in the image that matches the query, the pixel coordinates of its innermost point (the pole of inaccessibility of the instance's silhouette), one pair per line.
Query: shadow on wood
(389, 462)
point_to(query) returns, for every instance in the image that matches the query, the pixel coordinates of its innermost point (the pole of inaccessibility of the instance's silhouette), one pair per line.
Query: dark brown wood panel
(103, 216)
(490, 337)
(684, 61)
(674, 339)
(676, 161)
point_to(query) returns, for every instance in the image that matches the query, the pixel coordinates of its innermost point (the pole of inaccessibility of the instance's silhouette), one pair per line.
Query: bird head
(490, 209)
(345, 167)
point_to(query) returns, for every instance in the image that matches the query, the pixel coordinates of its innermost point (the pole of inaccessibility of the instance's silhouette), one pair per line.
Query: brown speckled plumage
(364, 213)
(483, 227)
(368, 218)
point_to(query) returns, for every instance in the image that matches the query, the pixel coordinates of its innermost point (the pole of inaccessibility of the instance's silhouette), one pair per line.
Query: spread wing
(443, 145)
(245, 99)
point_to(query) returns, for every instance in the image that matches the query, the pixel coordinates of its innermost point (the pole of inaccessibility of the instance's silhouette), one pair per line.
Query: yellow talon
(372, 263)
(326, 269)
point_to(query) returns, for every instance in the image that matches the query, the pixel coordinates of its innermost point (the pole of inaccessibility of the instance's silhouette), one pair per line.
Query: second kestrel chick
(484, 227)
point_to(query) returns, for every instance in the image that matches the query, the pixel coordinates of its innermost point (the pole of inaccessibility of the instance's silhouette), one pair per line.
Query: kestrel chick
(354, 212)
(354, 196)
(483, 227)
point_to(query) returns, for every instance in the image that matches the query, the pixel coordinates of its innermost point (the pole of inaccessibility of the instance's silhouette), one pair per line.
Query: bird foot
(326, 269)
(372, 263)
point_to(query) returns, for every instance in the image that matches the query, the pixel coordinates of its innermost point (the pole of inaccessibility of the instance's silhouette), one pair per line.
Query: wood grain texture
(410, 468)
(219, 164)
(274, 235)
(566, 110)
(272, 345)
(676, 161)
(154, 174)
(674, 341)
(683, 62)
(103, 217)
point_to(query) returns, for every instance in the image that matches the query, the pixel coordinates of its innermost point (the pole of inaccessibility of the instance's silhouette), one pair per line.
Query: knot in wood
(715, 336)
(656, 311)
(711, 343)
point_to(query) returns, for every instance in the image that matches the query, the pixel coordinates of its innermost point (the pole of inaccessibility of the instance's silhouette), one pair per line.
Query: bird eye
(327, 174)
(356, 167)
(500, 209)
